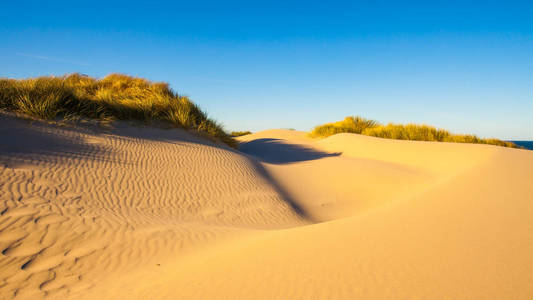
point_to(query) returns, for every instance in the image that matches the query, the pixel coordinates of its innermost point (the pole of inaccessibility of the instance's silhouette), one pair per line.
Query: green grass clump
(414, 132)
(114, 97)
(239, 133)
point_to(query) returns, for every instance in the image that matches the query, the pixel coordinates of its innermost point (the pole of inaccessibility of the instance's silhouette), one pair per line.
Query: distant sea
(525, 144)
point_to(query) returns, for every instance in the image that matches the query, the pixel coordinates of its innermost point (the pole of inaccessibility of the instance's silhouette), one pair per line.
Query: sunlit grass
(414, 132)
(349, 124)
(240, 133)
(114, 97)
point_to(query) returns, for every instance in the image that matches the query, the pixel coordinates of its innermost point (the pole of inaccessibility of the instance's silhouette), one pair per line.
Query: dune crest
(80, 206)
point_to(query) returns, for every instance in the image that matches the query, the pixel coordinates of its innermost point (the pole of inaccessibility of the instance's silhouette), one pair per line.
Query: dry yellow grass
(115, 96)
(240, 133)
(413, 132)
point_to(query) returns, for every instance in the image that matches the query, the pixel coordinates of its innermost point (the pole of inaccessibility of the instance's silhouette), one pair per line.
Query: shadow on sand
(27, 141)
(275, 151)
(298, 209)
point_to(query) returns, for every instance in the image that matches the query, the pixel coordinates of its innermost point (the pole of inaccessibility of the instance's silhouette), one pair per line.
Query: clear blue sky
(462, 65)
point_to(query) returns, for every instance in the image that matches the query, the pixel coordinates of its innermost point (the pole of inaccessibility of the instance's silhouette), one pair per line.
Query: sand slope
(80, 207)
(159, 214)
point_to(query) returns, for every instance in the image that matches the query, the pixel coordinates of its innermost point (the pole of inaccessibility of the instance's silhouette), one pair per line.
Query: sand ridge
(79, 206)
(139, 212)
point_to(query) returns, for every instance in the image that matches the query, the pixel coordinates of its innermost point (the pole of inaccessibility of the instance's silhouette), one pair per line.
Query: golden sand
(144, 213)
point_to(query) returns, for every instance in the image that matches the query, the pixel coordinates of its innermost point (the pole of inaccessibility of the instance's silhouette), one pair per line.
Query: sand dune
(137, 212)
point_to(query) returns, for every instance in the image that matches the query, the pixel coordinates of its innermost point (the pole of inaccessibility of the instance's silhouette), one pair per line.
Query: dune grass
(239, 133)
(349, 124)
(114, 97)
(415, 132)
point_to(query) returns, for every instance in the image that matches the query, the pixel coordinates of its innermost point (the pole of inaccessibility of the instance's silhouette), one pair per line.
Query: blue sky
(462, 65)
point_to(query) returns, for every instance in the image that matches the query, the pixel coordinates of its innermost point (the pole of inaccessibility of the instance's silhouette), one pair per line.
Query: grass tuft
(349, 124)
(116, 96)
(240, 133)
(413, 132)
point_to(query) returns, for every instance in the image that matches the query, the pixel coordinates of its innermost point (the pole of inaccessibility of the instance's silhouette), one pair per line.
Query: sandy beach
(137, 212)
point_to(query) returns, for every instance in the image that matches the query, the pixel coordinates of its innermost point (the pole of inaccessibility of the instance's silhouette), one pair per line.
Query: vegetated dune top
(146, 213)
(115, 96)
(411, 131)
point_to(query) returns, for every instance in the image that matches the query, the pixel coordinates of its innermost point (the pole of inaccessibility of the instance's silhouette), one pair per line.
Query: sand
(139, 212)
